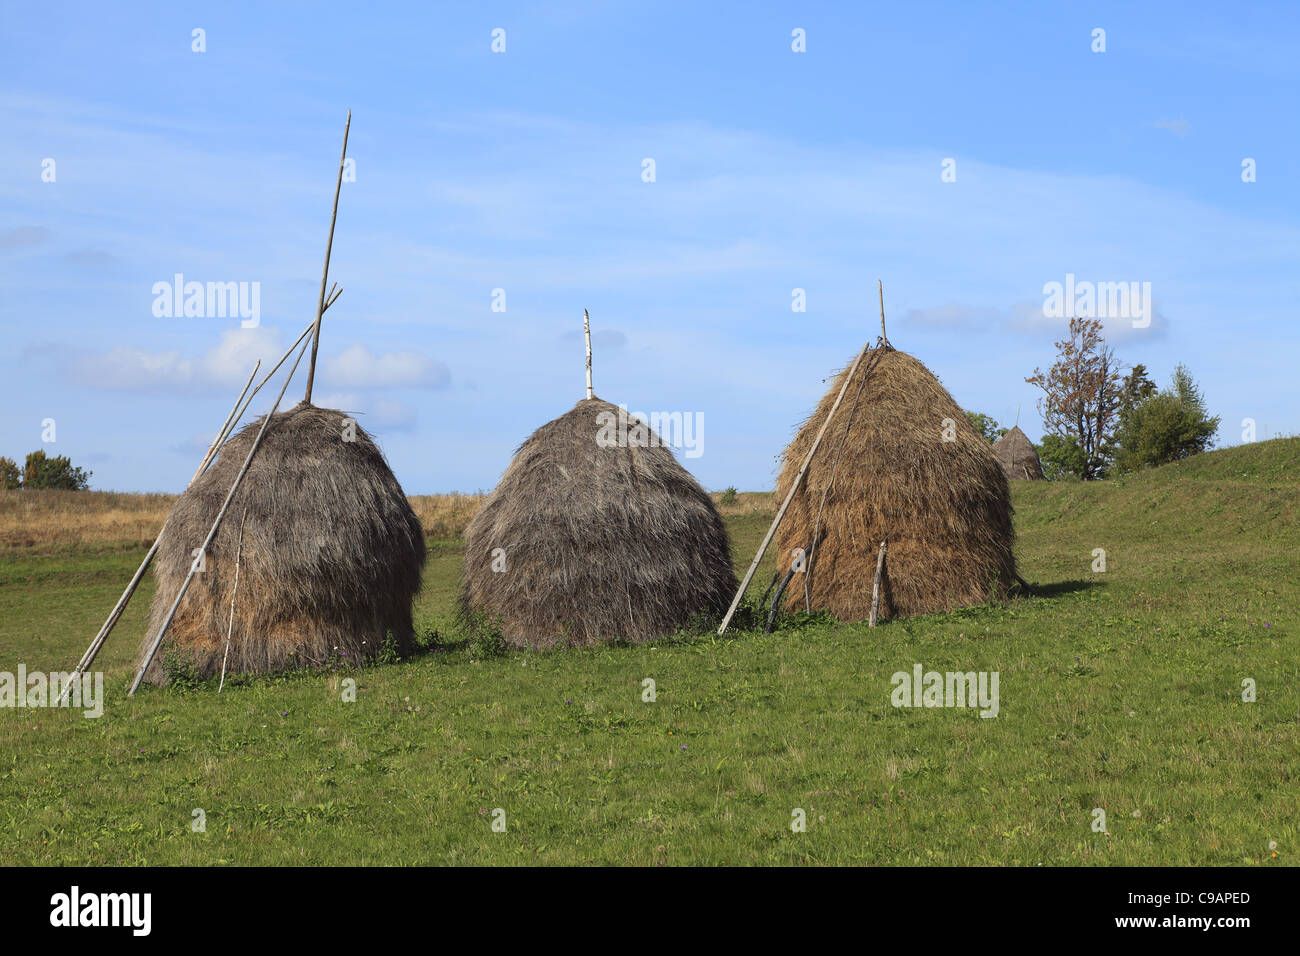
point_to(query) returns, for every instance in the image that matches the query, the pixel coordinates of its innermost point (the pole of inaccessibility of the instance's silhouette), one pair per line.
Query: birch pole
(794, 486)
(586, 333)
(329, 245)
(230, 627)
(875, 588)
(239, 478)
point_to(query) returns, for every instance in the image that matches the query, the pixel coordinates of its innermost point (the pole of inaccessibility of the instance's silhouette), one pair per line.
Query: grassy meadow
(1119, 690)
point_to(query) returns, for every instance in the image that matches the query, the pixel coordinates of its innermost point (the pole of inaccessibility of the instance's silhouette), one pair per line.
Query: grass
(1119, 690)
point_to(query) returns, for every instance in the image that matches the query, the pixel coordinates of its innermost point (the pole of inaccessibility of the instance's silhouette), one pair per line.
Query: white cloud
(128, 367)
(374, 414)
(22, 236)
(1179, 127)
(358, 367)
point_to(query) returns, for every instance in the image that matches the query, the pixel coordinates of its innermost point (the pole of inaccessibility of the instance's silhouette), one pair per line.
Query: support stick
(230, 627)
(329, 245)
(794, 486)
(586, 330)
(875, 588)
(92, 651)
(153, 648)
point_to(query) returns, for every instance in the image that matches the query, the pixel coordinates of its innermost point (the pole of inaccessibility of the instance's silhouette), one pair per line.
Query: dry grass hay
(599, 542)
(1016, 455)
(943, 505)
(331, 555)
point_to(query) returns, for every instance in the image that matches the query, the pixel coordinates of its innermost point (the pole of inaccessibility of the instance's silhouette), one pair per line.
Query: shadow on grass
(1063, 587)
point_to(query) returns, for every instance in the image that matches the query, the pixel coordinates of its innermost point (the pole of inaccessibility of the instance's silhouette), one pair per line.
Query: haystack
(584, 541)
(1017, 457)
(884, 471)
(329, 562)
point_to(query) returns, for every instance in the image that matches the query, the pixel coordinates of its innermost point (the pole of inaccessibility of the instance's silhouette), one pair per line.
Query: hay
(600, 543)
(1016, 455)
(943, 505)
(332, 553)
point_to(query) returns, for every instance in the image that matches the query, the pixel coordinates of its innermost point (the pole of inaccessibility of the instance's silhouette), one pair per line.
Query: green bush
(1167, 426)
(41, 471)
(1062, 458)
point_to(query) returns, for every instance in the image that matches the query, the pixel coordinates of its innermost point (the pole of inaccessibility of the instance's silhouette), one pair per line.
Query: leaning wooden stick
(185, 585)
(794, 486)
(92, 651)
(230, 626)
(875, 588)
(329, 245)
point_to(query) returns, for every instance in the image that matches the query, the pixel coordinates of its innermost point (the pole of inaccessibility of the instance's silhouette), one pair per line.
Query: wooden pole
(329, 245)
(586, 331)
(881, 287)
(794, 486)
(92, 651)
(153, 648)
(230, 626)
(875, 588)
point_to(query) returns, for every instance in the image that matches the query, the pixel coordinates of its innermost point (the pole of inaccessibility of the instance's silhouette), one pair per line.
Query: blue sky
(522, 171)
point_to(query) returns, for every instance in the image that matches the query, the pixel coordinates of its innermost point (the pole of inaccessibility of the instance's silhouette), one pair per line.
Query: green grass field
(1119, 690)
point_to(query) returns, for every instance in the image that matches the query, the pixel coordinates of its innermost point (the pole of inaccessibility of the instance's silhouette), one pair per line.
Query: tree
(1062, 458)
(986, 426)
(1081, 395)
(1168, 425)
(10, 476)
(42, 471)
(1137, 388)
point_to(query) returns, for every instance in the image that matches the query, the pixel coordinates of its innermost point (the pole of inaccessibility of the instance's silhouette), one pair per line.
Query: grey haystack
(329, 563)
(1017, 457)
(585, 541)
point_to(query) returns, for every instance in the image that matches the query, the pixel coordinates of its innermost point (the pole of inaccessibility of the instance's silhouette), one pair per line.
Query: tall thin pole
(185, 585)
(329, 245)
(794, 486)
(586, 330)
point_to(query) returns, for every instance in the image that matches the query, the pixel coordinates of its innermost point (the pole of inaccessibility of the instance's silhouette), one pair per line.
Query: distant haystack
(585, 541)
(329, 562)
(1017, 457)
(899, 462)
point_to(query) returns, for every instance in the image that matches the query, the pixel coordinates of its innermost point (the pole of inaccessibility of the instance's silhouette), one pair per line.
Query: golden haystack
(899, 462)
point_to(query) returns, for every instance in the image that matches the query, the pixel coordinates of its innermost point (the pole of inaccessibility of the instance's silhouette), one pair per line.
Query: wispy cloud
(358, 367)
(21, 237)
(1179, 127)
